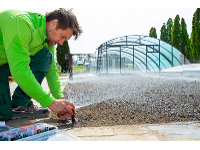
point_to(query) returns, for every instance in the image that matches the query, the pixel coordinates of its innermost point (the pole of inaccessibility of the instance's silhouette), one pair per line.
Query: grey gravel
(132, 99)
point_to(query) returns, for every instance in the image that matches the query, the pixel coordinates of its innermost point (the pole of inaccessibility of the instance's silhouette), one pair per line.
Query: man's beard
(50, 43)
(49, 34)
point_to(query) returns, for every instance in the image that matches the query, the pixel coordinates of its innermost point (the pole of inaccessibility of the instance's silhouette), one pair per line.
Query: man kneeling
(27, 54)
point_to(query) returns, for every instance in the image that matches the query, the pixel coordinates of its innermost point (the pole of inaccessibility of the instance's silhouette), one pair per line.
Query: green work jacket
(23, 34)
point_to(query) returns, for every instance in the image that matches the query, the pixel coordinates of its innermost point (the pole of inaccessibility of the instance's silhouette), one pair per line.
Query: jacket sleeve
(17, 36)
(53, 79)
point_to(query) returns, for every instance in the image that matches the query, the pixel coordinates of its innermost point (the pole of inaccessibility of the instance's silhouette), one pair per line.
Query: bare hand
(65, 116)
(62, 108)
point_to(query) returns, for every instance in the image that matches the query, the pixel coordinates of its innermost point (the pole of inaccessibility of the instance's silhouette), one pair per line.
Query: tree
(197, 32)
(195, 35)
(192, 43)
(62, 55)
(188, 52)
(163, 33)
(169, 30)
(184, 36)
(153, 33)
(176, 32)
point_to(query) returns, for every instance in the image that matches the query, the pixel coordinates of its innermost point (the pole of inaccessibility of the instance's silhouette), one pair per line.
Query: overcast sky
(101, 24)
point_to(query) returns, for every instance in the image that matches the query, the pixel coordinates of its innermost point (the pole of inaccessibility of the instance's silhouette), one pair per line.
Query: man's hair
(66, 19)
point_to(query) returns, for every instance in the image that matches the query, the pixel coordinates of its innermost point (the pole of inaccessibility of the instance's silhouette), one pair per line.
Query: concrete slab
(128, 129)
(135, 137)
(113, 133)
(179, 129)
(127, 133)
(92, 131)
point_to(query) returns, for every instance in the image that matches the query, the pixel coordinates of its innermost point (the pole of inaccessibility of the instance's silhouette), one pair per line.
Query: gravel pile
(133, 99)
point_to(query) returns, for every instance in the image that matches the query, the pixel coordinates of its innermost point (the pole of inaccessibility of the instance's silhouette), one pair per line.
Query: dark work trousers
(39, 65)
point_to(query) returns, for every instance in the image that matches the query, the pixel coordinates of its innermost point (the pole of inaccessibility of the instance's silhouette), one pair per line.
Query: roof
(147, 53)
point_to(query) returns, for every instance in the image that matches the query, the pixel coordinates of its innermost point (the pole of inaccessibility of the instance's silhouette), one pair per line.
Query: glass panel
(113, 60)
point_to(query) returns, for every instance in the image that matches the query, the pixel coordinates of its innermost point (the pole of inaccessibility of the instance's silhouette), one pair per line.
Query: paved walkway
(155, 132)
(146, 132)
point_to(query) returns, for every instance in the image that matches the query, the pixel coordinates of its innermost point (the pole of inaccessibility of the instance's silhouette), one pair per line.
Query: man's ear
(54, 23)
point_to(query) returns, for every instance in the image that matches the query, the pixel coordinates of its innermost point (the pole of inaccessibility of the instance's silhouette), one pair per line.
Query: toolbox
(35, 132)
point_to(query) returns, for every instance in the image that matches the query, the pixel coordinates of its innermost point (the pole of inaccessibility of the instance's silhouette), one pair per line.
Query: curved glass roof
(146, 53)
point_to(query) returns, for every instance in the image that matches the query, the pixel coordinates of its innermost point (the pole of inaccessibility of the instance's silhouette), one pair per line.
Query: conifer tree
(62, 55)
(169, 30)
(163, 33)
(184, 36)
(188, 52)
(192, 38)
(176, 32)
(197, 32)
(153, 33)
(195, 35)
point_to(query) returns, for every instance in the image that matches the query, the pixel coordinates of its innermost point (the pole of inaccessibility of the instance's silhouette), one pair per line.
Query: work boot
(31, 111)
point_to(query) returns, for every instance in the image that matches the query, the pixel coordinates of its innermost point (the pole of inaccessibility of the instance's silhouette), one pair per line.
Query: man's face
(58, 36)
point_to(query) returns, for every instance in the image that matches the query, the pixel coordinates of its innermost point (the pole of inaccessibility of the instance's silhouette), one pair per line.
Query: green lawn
(76, 69)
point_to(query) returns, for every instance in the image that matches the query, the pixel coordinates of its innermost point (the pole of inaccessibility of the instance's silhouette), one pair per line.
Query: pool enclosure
(136, 53)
